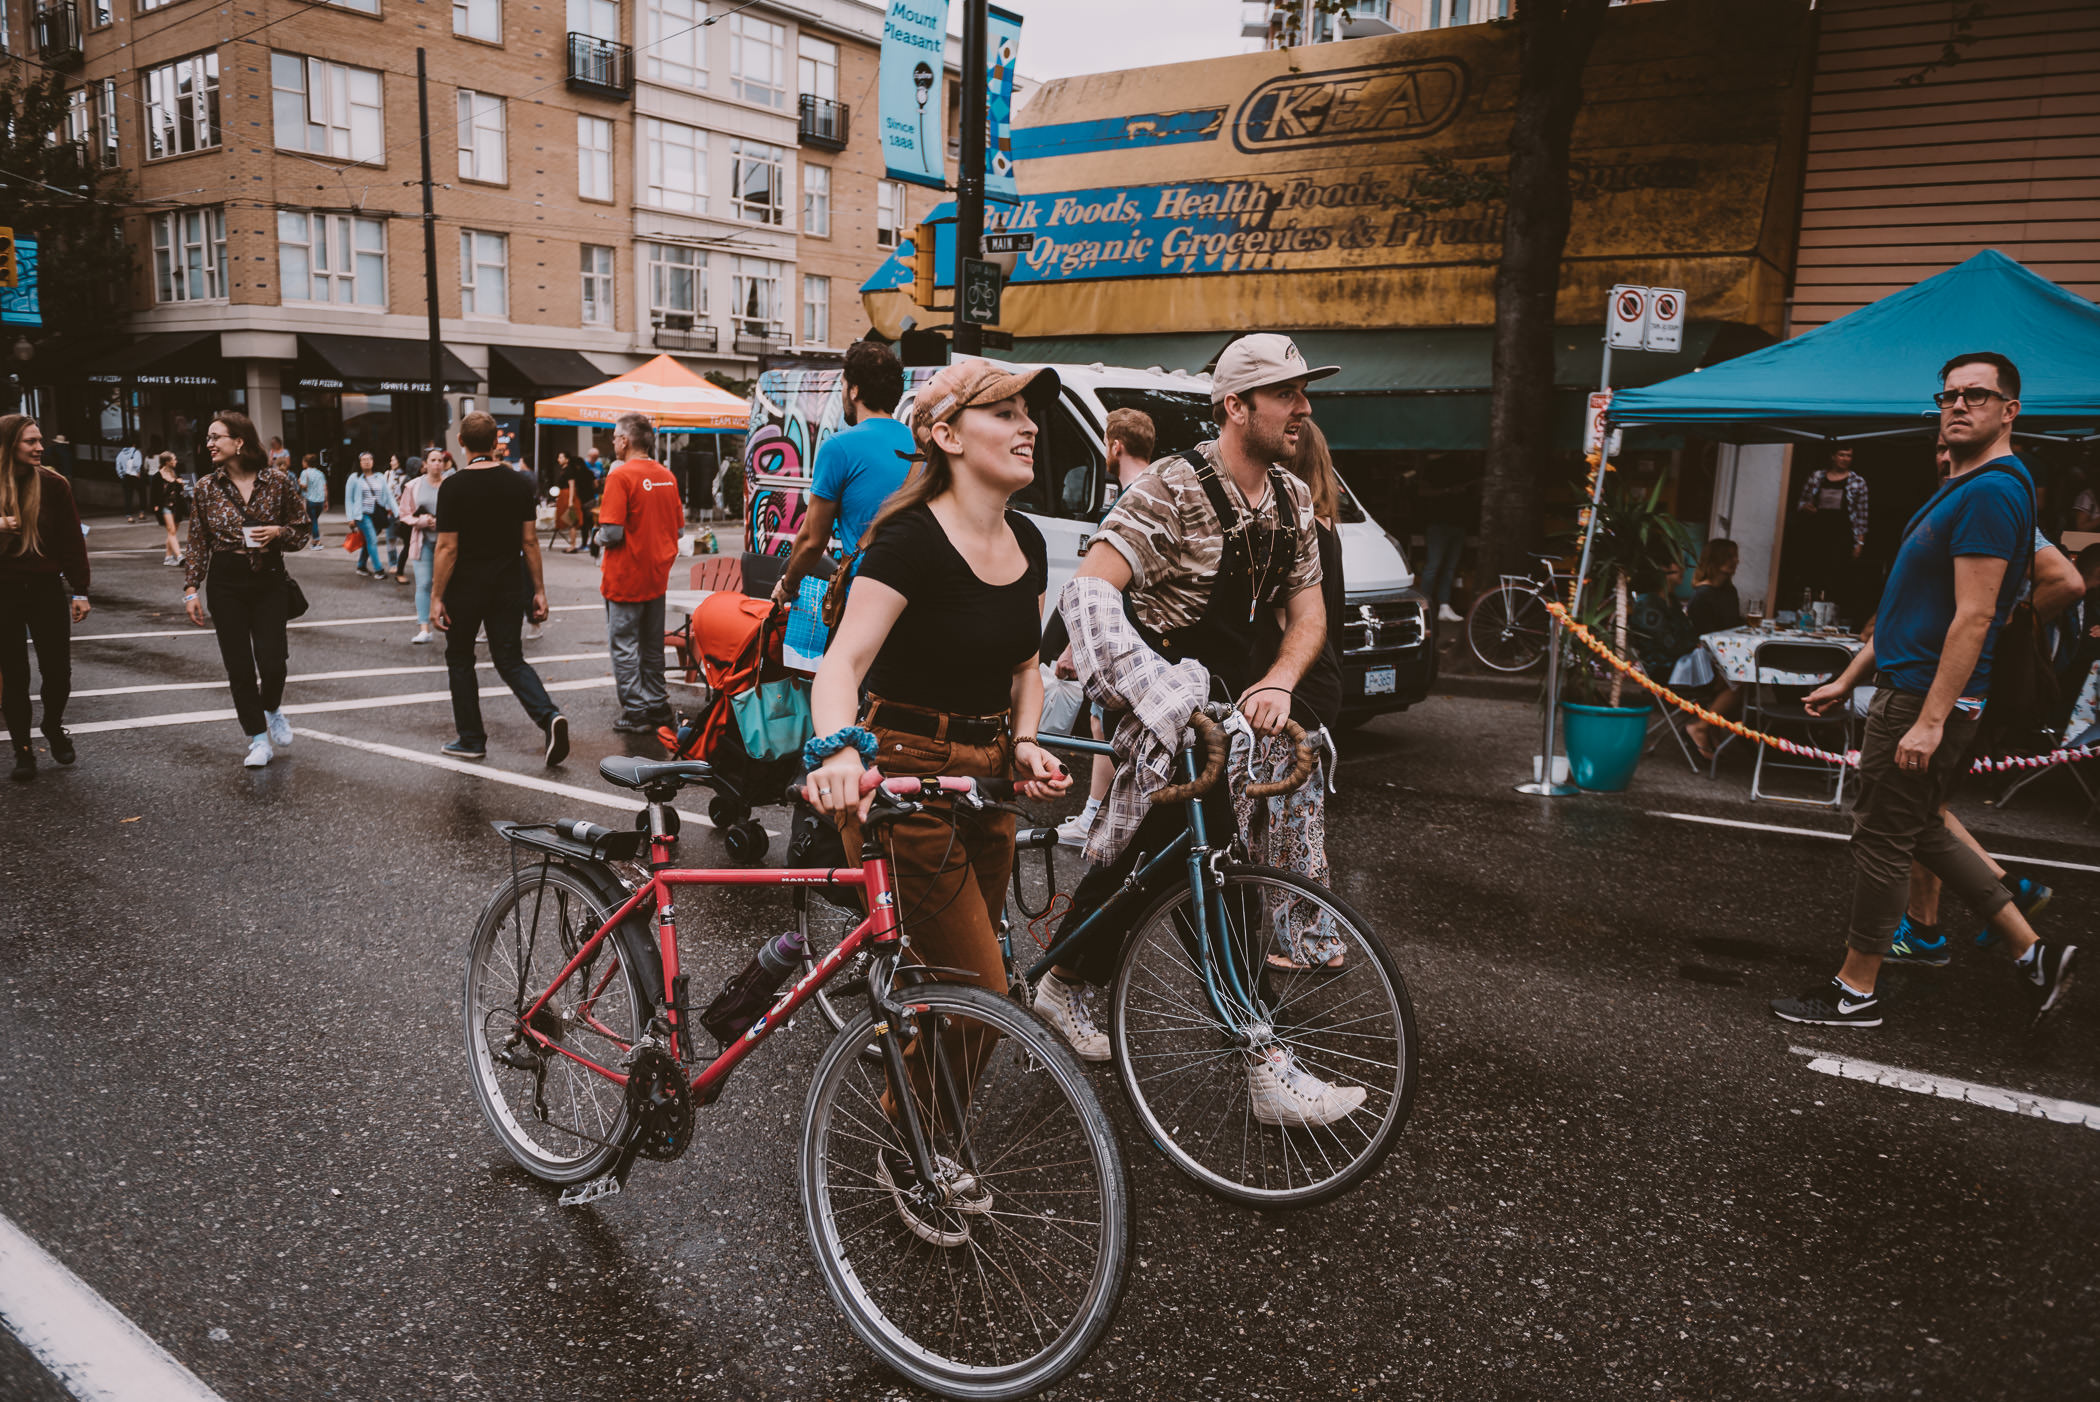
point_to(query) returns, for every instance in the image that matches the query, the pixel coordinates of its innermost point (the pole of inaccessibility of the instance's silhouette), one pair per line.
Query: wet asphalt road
(232, 1095)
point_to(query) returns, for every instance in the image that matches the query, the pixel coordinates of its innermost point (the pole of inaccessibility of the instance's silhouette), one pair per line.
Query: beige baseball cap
(1264, 358)
(970, 381)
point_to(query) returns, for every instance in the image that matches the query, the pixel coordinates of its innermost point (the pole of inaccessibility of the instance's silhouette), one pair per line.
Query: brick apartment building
(613, 179)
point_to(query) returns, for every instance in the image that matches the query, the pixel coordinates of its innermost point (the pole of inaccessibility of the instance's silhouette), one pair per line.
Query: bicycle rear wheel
(1030, 1273)
(558, 1118)
(1507, 628)
(1192, 1079)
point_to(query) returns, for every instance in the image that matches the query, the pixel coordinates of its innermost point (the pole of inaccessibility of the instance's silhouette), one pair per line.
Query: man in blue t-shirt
(1957, 574)
(857, 470)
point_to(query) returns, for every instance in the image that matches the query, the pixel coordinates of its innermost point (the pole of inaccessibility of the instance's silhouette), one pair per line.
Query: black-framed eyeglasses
(1974, 397)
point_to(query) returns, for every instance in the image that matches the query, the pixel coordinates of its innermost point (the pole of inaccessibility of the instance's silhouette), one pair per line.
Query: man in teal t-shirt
(857, 470)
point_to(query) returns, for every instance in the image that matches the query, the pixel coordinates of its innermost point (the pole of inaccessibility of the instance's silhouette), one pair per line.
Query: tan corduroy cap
(969, 382)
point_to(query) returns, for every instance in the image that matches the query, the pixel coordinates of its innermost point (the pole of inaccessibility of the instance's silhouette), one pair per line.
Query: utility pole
(969, 176)
(430, 262)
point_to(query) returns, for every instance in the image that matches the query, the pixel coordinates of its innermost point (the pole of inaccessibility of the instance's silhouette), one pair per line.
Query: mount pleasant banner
(914, 43)
(1360, 187)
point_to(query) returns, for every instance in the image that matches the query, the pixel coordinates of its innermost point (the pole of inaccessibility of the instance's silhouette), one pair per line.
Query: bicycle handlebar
(1302, 760)
(903, 790)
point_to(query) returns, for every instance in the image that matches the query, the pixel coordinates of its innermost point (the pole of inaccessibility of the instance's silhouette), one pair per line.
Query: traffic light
(9, 277)
(921, 263)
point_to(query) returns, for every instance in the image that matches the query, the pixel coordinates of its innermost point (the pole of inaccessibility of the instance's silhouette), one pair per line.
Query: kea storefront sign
(1372, 183)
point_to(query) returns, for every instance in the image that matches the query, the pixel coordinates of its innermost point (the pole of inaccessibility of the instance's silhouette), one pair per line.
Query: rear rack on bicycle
(606, 845)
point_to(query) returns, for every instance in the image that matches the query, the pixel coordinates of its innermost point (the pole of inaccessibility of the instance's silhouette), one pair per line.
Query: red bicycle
(963, 1190)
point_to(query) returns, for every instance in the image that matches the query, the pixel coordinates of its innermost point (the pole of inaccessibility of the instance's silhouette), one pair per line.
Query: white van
(1386, 649)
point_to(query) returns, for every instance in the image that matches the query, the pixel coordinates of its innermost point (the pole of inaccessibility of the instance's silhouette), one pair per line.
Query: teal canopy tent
(1873, 372)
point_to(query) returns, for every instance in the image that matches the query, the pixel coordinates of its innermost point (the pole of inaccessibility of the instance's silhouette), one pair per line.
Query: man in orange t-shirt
(639, 521)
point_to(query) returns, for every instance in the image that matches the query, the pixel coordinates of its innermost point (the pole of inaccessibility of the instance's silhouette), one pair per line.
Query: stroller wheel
(746, 841)
(725, 813)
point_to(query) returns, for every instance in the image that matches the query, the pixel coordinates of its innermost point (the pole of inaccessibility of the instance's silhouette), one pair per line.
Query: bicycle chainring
(659, 1106)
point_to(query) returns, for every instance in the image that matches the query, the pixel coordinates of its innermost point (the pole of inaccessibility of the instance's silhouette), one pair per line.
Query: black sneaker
(460, 749)
(25, 764)
(1832, 1006)
(557, 739)
(61, 744)
(628, 725)
(2050, 972)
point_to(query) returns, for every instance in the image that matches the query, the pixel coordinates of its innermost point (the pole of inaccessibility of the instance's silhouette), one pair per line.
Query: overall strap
(1231, 520)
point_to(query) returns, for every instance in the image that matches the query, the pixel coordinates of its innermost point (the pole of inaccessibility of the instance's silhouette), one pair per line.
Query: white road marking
(221, 684)
(1847, 837)
(2016, 1102)
(305, 623)
(623, 802)
(310, 708)
(95, 1353)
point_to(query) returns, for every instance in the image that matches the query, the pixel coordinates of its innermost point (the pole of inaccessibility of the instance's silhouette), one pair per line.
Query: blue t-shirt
(859, 469)
(1978, 513)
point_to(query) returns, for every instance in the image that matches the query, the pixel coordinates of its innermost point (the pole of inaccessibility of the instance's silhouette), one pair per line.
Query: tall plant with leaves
(1637, 540)
(55, 190)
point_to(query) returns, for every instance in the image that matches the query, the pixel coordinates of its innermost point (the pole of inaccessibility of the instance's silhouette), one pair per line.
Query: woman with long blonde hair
(43, 589)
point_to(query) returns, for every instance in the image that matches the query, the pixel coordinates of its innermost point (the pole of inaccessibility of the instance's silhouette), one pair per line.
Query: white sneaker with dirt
(280, 729)
(1073, 830)
(1063, 1006)
(1285, 1093)
(259, 751)
(1447, 614)
(423, 636)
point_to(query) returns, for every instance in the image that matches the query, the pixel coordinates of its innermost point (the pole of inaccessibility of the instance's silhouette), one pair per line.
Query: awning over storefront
(531, 371)
(1874, 371)
(167, 358)
(1423, 389)
(376, 365)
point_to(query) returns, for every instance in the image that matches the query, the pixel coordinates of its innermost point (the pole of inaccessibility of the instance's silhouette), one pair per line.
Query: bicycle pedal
(605, 1185)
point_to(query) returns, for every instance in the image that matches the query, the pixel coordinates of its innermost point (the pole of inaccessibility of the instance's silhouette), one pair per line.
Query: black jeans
(249, 610)
(134, 493)
(489, 599)
(1094, 959)
(35, 609)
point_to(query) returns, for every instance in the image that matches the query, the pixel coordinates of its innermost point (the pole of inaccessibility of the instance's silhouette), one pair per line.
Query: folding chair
(1675, 721)
(1775, 706)
(2086, 785)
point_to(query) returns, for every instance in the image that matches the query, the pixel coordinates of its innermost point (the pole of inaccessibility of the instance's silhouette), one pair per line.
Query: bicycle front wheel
(1507, 629)
(1307, 1093)
(561, 1120)
(1005, 1286)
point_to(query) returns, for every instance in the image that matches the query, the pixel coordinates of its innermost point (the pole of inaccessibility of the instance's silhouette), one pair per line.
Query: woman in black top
(943, 625)
(1714, 609)
(43, 589)
(169, 497)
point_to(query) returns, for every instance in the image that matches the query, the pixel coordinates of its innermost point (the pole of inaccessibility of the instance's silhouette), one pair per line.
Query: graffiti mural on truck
(792, 413)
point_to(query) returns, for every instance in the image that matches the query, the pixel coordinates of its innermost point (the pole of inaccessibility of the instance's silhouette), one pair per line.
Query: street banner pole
(430, 263)
(969, 169)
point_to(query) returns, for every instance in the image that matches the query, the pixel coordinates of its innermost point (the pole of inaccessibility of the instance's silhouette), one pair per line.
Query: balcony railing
(755, 340)
(57, 29)
(822, 123)
(685, 338)
(602, 67)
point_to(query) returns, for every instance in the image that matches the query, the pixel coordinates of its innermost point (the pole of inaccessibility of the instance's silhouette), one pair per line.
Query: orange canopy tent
(674, 398)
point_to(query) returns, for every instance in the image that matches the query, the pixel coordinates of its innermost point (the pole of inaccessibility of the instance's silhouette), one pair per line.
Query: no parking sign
(1645, 318)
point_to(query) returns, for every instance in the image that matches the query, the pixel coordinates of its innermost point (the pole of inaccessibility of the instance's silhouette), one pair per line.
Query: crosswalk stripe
(311, 708)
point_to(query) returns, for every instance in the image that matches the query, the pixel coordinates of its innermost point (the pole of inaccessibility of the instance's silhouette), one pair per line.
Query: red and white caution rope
(1778, 742)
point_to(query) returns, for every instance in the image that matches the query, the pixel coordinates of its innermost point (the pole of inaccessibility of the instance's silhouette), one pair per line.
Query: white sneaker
(426, 635)
(280, 731)
(259, 751)
(1073, 830)
(170, 560)
(926, 1226)
(1284, 1093)
(532, 632)
(1447, 614)
(1062, 1006)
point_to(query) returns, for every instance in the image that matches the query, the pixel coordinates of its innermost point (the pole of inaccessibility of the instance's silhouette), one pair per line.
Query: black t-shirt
(582, 482)
(486, 505)
(1715, 607)
(955, 646)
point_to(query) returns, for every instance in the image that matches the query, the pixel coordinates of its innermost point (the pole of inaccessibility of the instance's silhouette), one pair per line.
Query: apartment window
(816, 310)
(480, 137)
(598, 18)
(484, 274)
(677, 286)
(189, 255)
(329, 108)
(677, 165)
(594, 159)
(889, 212)
(100, 15)
(478, 19)
(105, 117)
(755, 289)
(331, 258)
(759, 181)
(674, 46)
(816, 200)
(182, 106)
(758, 60)
(597, 286)
(817, 67)
(78, 125)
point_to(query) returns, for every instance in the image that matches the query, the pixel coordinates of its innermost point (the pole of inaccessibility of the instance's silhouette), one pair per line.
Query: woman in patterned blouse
(247, 514)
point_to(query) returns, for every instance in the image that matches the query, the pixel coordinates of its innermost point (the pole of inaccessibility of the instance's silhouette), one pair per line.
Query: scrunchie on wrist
(817, 749)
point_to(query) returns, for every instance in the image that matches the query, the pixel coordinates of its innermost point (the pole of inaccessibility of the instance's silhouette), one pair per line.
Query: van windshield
(1180, 421)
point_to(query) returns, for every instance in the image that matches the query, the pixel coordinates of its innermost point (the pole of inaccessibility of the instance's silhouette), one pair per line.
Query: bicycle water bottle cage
(659, 1107)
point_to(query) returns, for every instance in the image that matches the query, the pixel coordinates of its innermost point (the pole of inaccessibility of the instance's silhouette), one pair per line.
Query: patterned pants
(1290, 832)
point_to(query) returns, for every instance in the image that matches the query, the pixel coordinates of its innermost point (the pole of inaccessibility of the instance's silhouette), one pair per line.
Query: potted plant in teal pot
(1604, 718)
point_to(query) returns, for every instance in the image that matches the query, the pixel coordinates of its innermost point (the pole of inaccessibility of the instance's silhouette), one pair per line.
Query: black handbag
(295, 604)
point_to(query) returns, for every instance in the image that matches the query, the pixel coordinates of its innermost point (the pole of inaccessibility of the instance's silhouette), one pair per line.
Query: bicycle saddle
(630, 772)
